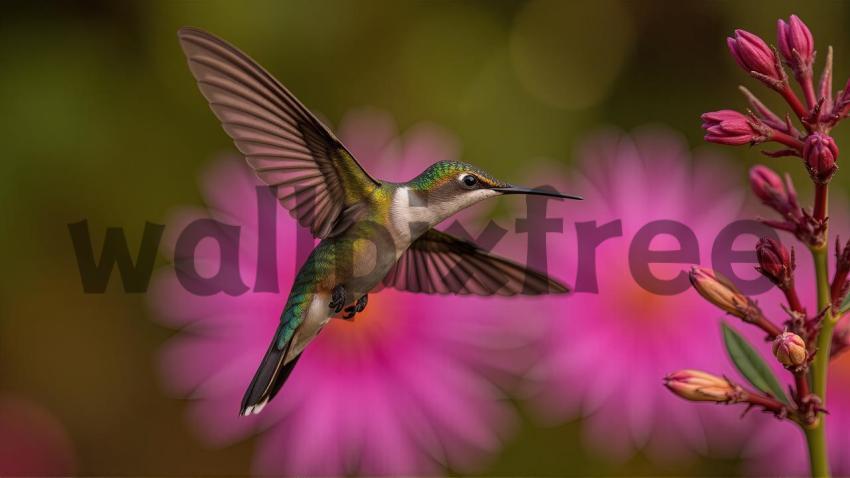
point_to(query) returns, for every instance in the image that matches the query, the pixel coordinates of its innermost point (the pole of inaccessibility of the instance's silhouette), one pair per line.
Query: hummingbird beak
(538, 192)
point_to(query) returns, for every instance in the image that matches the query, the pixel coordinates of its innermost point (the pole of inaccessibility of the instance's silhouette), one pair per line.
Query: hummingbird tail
(268, 380)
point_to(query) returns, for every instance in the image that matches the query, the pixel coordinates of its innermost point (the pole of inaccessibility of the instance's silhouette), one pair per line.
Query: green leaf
(751, 365)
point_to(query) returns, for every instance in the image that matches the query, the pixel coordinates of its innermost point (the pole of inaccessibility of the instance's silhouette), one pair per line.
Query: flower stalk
(808, 343)
(816, 434)
(821, 195)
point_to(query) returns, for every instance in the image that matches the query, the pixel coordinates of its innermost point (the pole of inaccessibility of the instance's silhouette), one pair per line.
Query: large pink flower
(608, 351)
(413, 385)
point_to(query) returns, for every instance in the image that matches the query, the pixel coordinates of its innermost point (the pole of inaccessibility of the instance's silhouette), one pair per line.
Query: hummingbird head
(447, 187)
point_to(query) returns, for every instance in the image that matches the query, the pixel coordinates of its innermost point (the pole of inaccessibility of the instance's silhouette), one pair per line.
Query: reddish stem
(821, 192)
(787, 140)
(793, 299)
(769, 117)
(766, 325)
(794, 102)
(801, 379)
(808, 90)
(765, 402)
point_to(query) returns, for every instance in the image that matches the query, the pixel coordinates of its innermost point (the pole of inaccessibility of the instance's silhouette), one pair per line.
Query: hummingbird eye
(469, 180)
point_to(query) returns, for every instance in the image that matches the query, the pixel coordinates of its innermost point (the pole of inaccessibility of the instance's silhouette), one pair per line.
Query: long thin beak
(539, 192)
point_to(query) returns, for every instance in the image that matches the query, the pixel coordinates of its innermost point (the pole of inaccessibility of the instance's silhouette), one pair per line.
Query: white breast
(410, 211)
(405, 216)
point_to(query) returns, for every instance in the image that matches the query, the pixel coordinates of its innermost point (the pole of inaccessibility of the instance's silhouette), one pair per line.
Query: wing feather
(438, 263)
(313, 174)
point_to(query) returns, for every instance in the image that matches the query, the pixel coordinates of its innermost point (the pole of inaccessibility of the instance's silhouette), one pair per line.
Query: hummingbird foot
(337, 299)
(358, 307)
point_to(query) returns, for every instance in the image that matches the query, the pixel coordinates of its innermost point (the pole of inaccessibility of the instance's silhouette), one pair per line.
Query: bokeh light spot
(32, 441)
(567, 54)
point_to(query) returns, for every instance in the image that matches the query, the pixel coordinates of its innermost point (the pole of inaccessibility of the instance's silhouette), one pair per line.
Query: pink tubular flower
(795, 43)
(411, 386)
(632, 334)
(821, 155)
(753, 54)
(730, 127)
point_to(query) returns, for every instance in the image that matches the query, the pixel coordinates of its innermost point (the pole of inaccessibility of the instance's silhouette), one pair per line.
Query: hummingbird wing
(314, 176)
(439, 263)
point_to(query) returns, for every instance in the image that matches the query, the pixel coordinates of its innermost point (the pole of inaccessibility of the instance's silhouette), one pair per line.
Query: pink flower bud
(729, 127)
(821, 155)
(790, 349)
(698, 386)
(775, 262)
(721, 292)
(752, 54)
(768, 186)
(795, 36)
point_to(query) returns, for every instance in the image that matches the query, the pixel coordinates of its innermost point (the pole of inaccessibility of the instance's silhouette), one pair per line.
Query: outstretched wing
(438, 263)
(313, 174)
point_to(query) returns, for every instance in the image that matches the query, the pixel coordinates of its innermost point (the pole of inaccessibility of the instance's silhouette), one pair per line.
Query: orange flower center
(369, 326)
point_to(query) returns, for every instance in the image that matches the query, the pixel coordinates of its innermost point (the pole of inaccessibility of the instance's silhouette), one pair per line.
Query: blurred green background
(102, 121)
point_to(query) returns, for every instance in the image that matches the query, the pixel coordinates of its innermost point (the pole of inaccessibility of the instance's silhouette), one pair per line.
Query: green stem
(817, 451)
(815, 435)
(821, 360)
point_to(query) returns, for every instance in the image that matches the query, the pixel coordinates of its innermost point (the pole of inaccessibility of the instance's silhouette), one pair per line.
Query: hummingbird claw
(361, 303)
(337, 299)
(358, 307)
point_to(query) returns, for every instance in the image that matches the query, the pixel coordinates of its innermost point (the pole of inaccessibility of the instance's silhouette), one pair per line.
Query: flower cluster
(808, 338)
(817, 112)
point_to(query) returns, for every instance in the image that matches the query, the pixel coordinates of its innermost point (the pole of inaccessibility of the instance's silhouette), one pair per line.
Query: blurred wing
(314, 176)
(438, 263)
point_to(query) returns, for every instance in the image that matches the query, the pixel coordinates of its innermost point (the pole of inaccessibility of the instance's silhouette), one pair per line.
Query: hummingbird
(372, 233)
